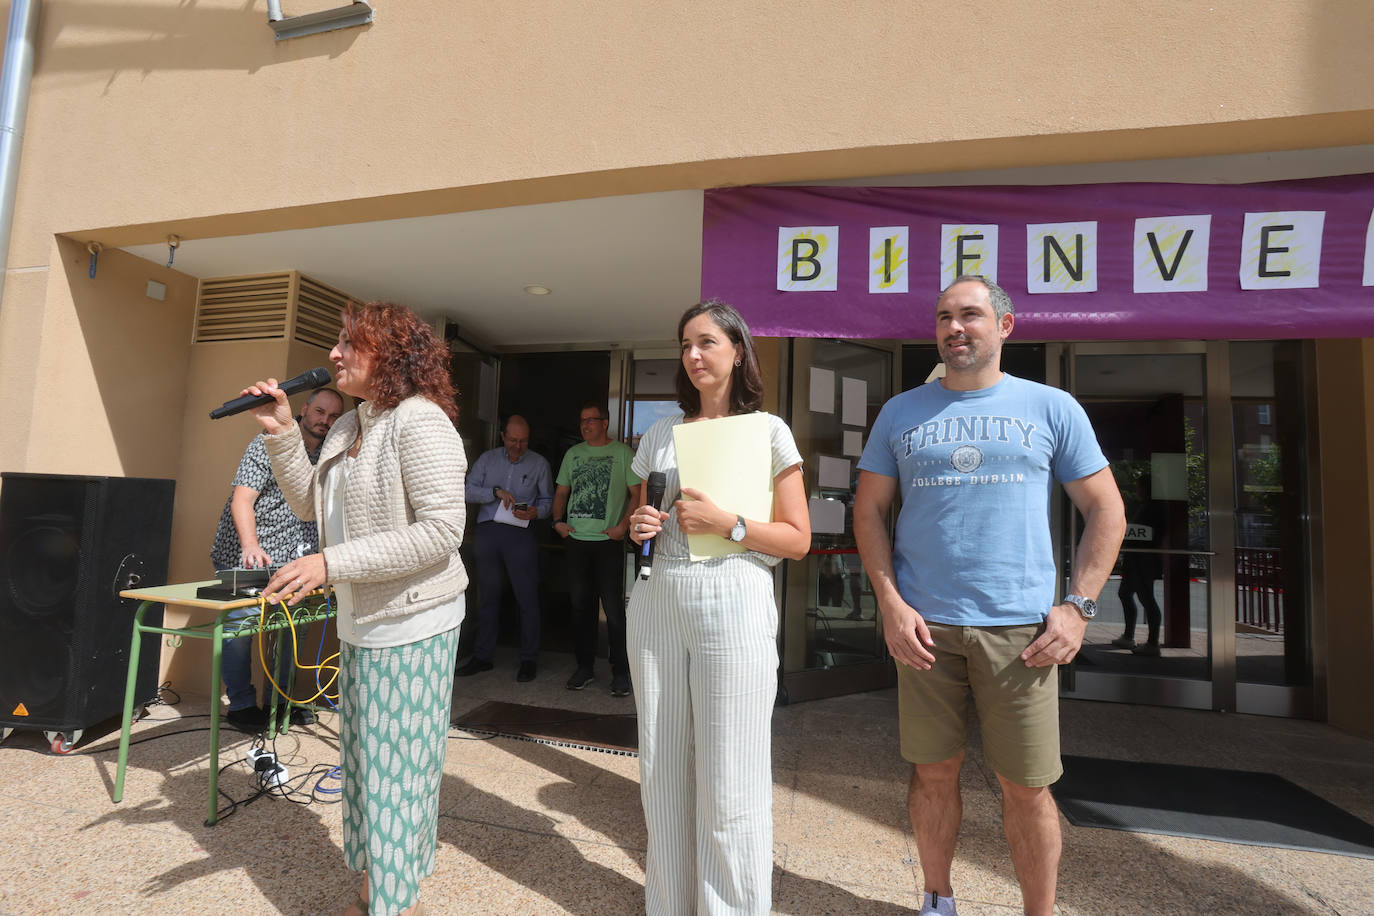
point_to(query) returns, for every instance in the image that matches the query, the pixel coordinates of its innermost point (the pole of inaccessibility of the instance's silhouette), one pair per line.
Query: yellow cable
(295, 656)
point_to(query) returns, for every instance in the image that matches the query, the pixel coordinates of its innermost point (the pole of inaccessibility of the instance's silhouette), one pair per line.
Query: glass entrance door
(1153, 638)
(1206, 606)
(831, 641)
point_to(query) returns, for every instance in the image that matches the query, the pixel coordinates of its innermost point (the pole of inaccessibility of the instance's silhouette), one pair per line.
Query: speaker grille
(64, 631)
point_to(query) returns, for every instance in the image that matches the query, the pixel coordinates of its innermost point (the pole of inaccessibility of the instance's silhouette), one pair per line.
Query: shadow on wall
(103, 37)
(138, 352)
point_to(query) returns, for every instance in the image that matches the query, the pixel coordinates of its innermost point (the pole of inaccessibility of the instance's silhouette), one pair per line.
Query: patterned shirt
(281, 534)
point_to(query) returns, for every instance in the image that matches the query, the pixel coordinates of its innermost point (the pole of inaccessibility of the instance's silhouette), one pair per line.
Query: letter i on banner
(967, 250)
(887, 259)
(1171, 254)
(807, 258)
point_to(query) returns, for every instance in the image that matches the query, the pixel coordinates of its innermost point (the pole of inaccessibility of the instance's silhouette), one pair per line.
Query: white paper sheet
(827, 516)
(822, 390)
(833, 473)
(507, 517)
(854, 402)
(853, 442)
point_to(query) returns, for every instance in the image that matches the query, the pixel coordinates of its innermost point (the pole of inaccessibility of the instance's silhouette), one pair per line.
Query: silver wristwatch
(1086, 606)
(737, 532)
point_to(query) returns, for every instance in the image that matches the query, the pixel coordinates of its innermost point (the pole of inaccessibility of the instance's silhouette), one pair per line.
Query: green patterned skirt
(393, 733)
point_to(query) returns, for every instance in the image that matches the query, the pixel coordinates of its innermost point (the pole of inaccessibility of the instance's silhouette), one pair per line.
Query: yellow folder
(730, 459)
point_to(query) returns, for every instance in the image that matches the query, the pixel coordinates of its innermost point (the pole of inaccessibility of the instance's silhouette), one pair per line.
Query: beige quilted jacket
(403, 505)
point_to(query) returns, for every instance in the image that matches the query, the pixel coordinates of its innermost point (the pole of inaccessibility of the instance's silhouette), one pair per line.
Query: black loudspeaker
(68, 546)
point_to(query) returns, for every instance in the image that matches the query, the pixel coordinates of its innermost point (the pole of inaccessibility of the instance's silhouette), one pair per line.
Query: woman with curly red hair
(387, 494)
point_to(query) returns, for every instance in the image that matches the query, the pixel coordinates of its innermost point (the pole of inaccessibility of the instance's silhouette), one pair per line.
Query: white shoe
(935, 905)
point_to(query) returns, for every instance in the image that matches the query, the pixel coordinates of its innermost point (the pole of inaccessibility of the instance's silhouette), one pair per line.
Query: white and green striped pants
(394, 714)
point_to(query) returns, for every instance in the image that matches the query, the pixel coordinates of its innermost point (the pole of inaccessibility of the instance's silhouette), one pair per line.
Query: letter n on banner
(807, 258)
(1281, 250)
(1170, 254)
(1061, 257)
(887, 259)
(967, 250)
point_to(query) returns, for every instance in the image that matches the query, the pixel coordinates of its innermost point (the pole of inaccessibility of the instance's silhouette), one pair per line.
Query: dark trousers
(502, 550)
(596, 574)
(1138, 581)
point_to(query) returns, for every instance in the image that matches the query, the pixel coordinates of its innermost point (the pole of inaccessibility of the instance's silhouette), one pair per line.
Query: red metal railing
(1259, 588)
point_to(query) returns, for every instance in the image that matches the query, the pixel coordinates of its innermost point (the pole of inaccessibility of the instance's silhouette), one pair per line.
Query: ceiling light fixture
(535, 289)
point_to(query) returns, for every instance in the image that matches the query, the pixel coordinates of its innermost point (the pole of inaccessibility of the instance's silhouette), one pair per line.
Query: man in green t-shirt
(595, 495)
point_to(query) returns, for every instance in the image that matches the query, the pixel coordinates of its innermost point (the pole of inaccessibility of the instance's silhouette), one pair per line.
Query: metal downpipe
(14, 108)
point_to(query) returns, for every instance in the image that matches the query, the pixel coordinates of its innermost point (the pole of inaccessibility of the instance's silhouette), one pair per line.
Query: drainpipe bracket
(357, 13)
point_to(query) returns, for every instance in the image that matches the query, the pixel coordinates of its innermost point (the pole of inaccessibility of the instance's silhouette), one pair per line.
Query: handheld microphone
(315, 378)
(657, 483)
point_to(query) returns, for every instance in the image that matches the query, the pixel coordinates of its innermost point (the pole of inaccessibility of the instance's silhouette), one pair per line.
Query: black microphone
(656, 485)
(315, 378)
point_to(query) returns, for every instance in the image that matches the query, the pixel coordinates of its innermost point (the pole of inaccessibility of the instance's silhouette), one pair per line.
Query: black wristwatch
(496, 492)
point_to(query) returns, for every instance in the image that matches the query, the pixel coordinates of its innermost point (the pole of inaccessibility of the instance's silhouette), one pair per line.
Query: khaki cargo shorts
(1018, 707)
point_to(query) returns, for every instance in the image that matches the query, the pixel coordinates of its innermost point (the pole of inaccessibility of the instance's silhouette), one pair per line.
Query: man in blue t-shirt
(968, 594)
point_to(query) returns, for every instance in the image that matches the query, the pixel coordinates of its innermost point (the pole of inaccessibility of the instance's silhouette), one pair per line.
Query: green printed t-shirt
(599, 479)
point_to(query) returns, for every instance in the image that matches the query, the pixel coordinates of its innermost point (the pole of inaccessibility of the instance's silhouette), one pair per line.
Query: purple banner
(1131, 261)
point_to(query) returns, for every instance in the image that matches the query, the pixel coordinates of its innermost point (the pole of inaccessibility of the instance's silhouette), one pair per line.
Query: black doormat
(614, 733)
(1233, 806)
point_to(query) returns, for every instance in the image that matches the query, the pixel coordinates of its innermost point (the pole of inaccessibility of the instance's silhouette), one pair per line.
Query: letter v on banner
(1170, 254)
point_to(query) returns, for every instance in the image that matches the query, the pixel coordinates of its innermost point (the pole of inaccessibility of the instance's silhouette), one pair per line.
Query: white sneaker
(935, 905)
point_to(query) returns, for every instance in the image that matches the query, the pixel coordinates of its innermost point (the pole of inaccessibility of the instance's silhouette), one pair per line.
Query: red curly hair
(408, 356)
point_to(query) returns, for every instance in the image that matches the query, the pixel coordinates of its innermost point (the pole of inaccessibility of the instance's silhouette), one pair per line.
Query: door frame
(1218, 692)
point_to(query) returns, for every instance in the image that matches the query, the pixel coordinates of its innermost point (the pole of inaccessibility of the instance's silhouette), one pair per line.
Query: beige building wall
(172, 117)
(1345, 419)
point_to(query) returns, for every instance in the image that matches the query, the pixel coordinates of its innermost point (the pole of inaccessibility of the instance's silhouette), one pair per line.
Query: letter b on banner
(807, 258)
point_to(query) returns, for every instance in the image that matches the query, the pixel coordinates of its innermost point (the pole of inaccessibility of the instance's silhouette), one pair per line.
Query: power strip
(270, 773)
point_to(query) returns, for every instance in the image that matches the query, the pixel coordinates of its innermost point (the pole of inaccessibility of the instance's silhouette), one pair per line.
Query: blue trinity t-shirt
(974, 477)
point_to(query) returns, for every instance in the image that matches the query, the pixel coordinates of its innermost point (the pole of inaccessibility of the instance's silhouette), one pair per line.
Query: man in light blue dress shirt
(511, 485)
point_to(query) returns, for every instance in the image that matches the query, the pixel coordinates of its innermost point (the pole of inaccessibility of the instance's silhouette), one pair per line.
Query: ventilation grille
(318, 310)
(243, 308)
(269, 307)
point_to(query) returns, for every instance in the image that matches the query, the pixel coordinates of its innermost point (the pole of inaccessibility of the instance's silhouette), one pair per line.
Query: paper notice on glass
(833, 473)
(827, 516)
(853, 442)
(822, 390)
(507, 517)
(854, 402)
(731, 461)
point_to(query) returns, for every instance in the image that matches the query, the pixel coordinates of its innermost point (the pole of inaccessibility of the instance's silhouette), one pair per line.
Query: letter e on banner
(887, 259)
(1170, 254)
(1281, 250)
(1369, 252)
(807, 258)
(967, 250)
(1061, 257)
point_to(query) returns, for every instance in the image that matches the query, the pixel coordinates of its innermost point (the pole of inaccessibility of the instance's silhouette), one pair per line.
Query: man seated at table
(256, 529)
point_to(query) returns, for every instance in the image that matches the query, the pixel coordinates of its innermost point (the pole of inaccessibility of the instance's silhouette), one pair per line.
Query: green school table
(313, 608)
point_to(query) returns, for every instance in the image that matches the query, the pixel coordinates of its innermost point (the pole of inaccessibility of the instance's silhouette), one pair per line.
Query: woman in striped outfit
(703, 645)
(388, 495)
